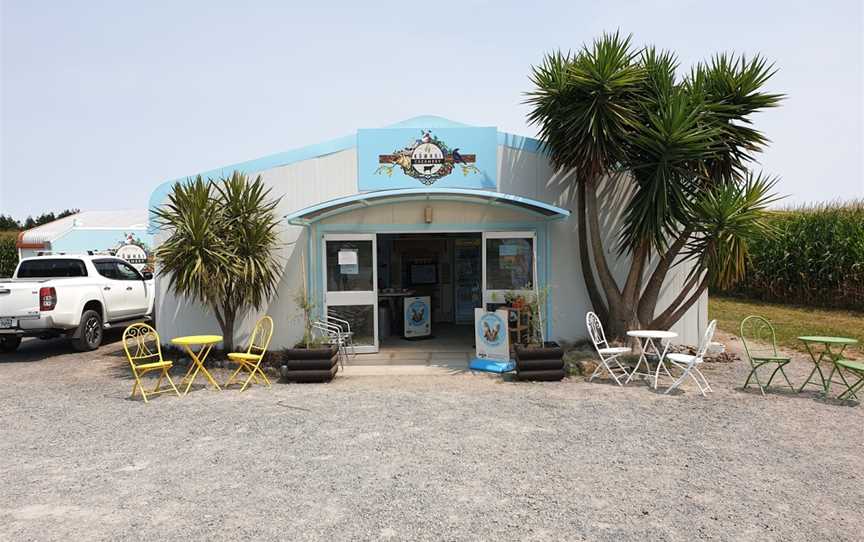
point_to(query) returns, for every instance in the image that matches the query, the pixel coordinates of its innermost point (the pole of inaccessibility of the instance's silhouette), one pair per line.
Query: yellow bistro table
(206, 342)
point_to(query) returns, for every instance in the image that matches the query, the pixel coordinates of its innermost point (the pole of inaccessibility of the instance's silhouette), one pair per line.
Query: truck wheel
(89, 335)
(9, 344)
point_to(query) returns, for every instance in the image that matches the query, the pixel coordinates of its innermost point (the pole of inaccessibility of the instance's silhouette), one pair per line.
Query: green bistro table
(832, 349)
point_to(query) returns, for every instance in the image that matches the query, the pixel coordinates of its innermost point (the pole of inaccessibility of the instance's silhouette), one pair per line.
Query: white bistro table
(651, 341)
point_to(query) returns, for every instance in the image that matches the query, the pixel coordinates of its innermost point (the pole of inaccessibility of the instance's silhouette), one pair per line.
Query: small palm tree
(221, 246)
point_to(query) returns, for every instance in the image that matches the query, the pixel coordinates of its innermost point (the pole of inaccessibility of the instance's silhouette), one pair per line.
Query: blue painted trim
(547, 280)
(310, 286)
(158, 196)
(358, 201)
(427, 228)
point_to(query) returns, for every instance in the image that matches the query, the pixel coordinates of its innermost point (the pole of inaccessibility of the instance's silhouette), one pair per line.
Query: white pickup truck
(74, 296)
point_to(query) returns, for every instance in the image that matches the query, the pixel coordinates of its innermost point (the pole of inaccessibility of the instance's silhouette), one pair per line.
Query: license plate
(8, 322)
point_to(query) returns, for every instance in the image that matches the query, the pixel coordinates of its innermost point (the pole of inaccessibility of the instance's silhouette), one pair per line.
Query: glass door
(509, 264)
(351, 285)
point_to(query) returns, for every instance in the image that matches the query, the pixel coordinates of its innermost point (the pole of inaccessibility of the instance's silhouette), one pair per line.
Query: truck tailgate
(19, 299)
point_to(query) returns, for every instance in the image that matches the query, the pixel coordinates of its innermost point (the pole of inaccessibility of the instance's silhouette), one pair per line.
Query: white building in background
(425, 207)
(123, 232)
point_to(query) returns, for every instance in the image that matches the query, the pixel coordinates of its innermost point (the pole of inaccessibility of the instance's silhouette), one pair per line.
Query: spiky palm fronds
(221, 243)
(729, 218)
(195, 254)
(586, 104)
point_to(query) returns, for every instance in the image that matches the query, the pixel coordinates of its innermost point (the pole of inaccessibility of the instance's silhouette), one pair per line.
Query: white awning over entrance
(337, 206)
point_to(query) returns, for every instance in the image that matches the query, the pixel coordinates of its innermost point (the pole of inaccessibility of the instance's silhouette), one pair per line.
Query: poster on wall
(391, 158)
(418, 321)
(491, 337)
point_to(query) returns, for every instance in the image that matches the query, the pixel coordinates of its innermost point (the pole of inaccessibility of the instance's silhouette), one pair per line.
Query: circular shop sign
(427, 159)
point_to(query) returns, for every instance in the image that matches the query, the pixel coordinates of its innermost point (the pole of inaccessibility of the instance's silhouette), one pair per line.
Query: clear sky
(102, 101)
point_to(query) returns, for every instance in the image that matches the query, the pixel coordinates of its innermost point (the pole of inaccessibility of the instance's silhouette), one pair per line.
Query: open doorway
(446, 268)
(368, 277)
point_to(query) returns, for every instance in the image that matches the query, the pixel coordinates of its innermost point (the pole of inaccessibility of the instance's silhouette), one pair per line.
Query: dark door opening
(446, 267)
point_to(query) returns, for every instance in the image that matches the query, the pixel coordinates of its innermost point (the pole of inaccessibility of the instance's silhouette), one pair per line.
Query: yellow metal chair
(144, 350)
(250, 360)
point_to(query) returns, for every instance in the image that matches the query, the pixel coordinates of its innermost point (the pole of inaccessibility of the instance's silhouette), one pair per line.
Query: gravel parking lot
(450, 457)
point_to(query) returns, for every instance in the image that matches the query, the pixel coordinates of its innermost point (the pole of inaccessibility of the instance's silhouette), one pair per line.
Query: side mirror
(147, 275)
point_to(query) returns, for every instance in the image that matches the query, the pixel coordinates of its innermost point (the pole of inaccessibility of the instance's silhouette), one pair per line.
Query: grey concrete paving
(419, 457)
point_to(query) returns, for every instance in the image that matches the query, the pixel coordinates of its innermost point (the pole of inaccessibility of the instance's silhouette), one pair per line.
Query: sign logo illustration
(491, 328)
(427, 159)
(418, 312)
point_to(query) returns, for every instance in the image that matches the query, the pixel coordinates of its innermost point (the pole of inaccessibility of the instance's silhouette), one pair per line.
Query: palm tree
(681, 149)
(220, 249)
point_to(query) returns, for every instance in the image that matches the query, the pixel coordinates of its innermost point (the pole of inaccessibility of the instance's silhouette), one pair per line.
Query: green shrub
(816, 258)
(8, 255)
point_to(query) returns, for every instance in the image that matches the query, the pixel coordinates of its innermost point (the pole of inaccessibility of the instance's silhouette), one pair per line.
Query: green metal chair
(760, 344)
(856, 368)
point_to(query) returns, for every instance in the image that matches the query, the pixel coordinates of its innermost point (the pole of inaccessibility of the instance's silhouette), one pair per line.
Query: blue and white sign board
(491, 336)
(391, 158)
(418, 320)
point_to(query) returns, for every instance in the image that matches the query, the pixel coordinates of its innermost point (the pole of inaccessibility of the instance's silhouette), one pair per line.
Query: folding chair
(144, 351)
(854, 368)
(608, 354)
(250, 360)
(334, 336)
(346, 333)
(689, 364)
(756, 333)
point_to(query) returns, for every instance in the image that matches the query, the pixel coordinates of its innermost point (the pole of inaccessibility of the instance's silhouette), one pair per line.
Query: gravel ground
(456, 457)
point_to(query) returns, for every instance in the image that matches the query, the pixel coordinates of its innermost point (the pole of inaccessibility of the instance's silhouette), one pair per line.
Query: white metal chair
(334, 336)
(608, 354)
(346, 333)
(689, 364)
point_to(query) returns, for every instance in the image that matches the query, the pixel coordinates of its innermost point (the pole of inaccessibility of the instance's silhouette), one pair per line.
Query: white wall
(519, 172)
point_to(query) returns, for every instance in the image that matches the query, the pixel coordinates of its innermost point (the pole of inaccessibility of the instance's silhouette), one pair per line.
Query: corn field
(815, 258)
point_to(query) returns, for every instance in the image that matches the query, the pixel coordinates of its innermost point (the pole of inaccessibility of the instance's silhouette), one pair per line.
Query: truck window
(127, 272)
(106, 268)
(51, 267)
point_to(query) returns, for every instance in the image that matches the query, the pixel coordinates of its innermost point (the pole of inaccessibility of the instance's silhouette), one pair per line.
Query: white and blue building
(429, 207)
(122, 232)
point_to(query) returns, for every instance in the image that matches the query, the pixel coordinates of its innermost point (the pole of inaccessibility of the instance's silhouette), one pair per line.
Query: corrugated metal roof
(123, 219)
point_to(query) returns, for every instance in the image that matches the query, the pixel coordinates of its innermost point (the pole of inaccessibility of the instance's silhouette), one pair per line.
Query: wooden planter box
(540, 362)
(310, 364)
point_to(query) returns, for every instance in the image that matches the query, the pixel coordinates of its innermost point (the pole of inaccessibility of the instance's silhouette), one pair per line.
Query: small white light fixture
(427, 215)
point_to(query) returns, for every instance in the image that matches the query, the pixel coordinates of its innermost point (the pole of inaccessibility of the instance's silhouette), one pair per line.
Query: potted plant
(536, 358)
(312, 359)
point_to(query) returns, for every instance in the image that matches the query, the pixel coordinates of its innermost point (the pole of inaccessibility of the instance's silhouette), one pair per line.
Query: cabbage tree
(220, 250)
(680, 148)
